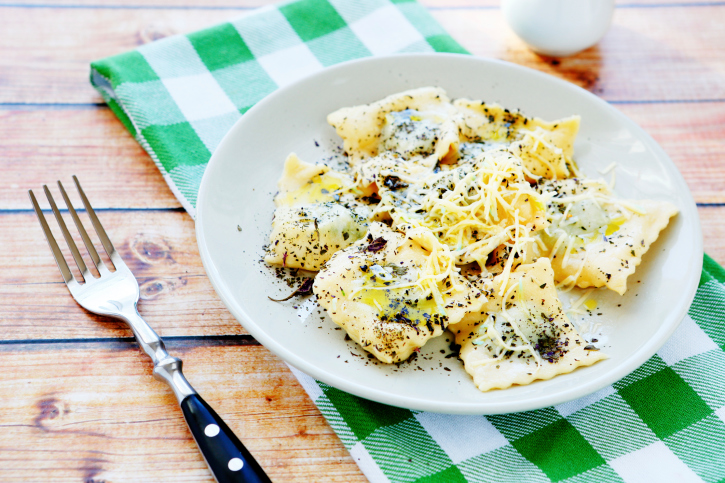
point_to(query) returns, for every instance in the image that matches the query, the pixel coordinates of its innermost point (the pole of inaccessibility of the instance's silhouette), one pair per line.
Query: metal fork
(115, 294)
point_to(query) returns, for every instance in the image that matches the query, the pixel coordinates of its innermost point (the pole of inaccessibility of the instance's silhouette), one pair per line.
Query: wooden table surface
(77, 399)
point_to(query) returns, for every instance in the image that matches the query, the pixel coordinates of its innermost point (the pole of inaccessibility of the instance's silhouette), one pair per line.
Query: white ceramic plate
(240, 181)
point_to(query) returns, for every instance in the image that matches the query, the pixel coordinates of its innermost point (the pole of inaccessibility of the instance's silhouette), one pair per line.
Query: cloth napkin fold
(178, 96)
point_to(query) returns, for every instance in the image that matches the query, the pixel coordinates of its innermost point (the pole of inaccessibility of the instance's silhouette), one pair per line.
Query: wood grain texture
(34, 69)
(159, 248)
(41, 146)
(712, 219)
(250, 4)
(693, 135)
(648, 54)
(92, 412)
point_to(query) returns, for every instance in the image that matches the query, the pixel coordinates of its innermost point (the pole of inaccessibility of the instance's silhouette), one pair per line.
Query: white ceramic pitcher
(559, 27)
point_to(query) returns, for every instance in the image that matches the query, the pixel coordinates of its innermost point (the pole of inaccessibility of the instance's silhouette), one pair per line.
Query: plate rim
(627, 366)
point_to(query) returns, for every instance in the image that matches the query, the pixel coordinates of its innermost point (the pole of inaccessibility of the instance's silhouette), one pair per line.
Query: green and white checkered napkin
(665, 422)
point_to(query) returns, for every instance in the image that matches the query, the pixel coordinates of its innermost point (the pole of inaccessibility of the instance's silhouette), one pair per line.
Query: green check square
(127, 67)
(445, 43)
(220, 46)
(558, 450)
(701, 446)
(362, 415)
(665, 402)
(653, 365)
(176, 145)
(312, 18)
(711, 271)
(449, 475)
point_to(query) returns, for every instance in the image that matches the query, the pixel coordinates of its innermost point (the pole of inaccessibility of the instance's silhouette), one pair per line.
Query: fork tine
(107, 245)
(86, 240)
(57, 254)
(68, 239)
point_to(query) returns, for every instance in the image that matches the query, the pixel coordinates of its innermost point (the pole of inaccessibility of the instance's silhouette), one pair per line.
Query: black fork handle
(228, 459)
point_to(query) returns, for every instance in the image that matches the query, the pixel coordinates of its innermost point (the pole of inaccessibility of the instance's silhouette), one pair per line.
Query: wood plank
(693, 135)
(54, 67)
(159, 248)
(657, 54)
(93, 144)
(250, 4)
(652, 56)
(100, 416)
(40, 147)
(712, 219)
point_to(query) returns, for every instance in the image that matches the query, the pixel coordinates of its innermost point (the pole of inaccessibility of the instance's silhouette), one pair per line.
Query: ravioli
(545, 148)
(386, 292)
(522, 335)
(386, 173)
(418, 124)
(316, 215)
(306, 236)
(597, 240)
(306, 183)
(546, 152)
(610, 260)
